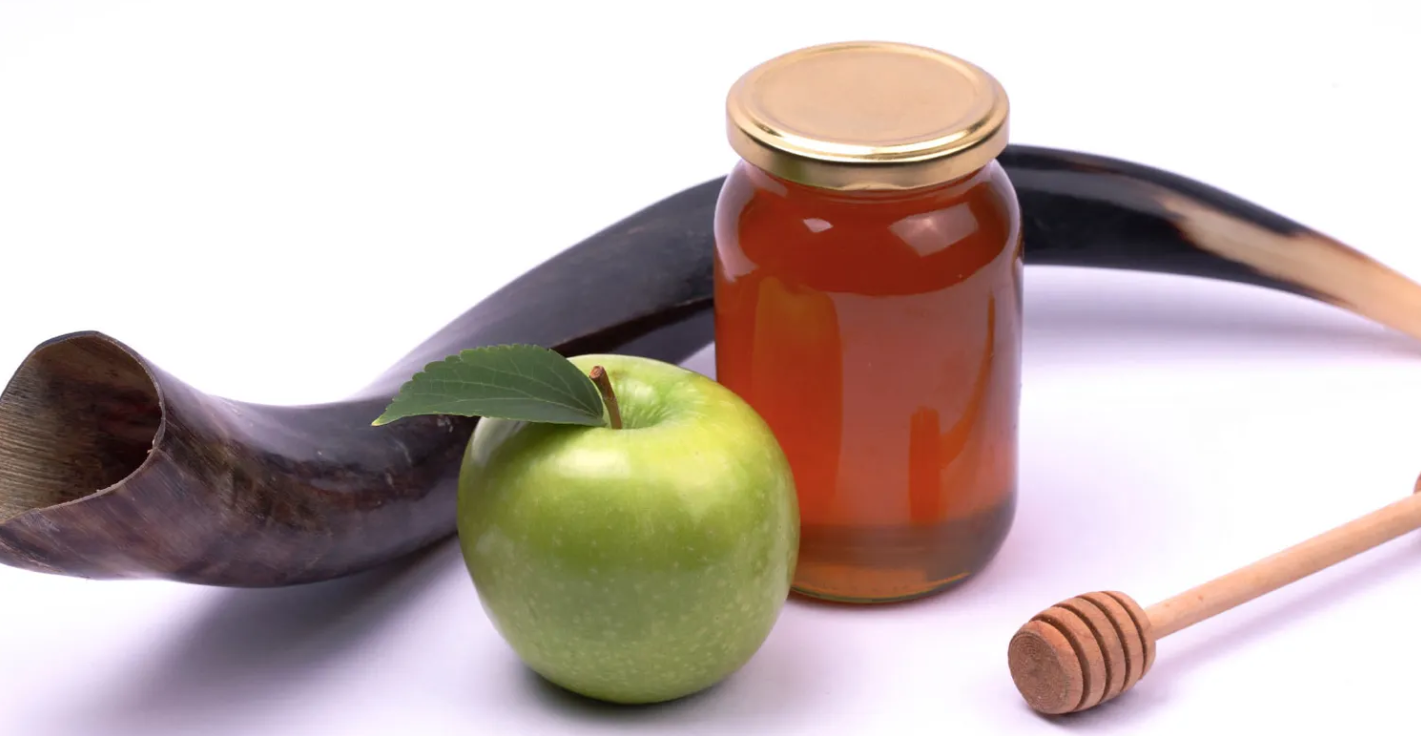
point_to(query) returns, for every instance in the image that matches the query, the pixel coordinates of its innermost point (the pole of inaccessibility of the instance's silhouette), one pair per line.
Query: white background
(275, 200)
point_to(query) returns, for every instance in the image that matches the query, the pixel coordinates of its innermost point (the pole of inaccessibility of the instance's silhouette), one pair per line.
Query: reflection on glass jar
(871, 310)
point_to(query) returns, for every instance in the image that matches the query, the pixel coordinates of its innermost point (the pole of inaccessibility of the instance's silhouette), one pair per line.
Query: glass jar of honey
(868, 304)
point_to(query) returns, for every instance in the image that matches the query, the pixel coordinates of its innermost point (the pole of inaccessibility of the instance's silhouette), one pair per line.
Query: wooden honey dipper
(1087, 650)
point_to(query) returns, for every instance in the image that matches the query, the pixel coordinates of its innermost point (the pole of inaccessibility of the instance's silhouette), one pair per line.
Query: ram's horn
(112, 468)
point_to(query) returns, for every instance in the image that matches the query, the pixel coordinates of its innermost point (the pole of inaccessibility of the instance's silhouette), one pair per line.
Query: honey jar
(868, 304)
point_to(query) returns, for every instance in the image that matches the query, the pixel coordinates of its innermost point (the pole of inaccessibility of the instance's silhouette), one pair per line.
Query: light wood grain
(1090, 649)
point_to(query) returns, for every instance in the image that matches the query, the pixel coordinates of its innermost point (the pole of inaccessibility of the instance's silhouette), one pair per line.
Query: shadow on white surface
(703, 361)
(1077, 308)
(255, 649)
(1288, 608)
(1273, 615)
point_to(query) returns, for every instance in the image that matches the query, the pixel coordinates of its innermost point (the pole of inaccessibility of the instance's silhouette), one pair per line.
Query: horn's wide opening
(80, 415)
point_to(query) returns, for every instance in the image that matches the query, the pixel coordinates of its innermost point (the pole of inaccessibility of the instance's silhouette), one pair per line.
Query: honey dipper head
(1081, 652)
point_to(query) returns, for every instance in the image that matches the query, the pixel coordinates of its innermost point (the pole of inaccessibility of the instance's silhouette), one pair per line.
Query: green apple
(639, 564)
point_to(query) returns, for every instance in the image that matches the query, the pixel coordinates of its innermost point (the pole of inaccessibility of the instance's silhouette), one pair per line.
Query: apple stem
(604, 384)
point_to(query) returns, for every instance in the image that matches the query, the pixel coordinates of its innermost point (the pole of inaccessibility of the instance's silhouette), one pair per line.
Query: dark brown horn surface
(112, 468)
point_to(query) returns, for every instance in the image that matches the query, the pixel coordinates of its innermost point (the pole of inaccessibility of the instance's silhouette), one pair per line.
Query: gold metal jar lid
(867, 115)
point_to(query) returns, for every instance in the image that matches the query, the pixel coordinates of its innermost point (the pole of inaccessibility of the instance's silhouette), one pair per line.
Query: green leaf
(523, 382)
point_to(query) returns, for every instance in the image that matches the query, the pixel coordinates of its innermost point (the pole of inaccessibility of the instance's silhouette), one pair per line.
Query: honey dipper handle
(1288, 566)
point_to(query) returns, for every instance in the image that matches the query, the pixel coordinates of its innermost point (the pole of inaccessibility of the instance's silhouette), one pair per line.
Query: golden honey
(868, 304)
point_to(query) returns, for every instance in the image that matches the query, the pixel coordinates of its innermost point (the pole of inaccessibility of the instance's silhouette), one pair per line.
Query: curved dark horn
(1092, 211)
(112, 468)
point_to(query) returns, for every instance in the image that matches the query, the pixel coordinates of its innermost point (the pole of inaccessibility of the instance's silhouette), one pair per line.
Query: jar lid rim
(867, 115)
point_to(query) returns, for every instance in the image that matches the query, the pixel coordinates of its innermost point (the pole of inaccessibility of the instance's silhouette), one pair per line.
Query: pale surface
(327, 183)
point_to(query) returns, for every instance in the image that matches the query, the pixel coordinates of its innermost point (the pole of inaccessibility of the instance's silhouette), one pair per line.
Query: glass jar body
(879, 335)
